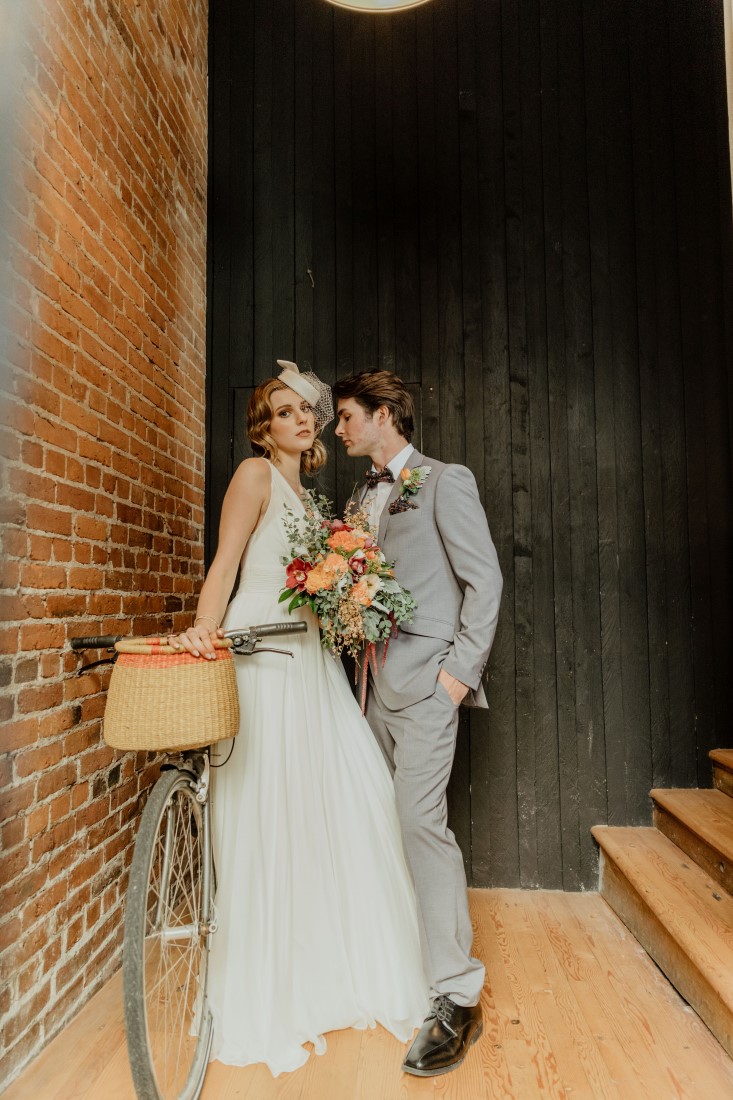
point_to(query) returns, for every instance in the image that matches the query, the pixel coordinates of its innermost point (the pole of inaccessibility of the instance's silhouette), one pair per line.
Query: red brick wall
(102, 433)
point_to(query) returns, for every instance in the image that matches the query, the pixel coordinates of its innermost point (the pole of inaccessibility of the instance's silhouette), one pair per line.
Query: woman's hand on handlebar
(197, 640)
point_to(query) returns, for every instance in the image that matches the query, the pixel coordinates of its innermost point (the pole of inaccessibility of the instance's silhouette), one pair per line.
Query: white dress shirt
(375, 499)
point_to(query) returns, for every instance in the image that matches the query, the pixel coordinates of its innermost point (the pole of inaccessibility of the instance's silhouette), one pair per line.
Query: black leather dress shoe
(442, 1042)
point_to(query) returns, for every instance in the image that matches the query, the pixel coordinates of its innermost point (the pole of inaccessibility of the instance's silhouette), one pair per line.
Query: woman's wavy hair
(259, 418)
(374, 388)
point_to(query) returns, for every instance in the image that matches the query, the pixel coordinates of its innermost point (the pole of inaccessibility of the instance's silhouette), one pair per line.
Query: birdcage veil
(309, 386)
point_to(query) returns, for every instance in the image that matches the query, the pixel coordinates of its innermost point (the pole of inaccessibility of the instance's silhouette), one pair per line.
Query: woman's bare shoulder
(253, 472)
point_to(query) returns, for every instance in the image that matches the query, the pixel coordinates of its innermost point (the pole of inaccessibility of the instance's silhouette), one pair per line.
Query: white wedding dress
(316, 909)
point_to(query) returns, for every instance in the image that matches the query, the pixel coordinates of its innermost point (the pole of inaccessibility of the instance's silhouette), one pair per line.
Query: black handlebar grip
(268, 630)
(96, 641)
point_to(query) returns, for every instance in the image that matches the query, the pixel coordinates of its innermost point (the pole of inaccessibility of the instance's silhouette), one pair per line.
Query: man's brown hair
(375, 388)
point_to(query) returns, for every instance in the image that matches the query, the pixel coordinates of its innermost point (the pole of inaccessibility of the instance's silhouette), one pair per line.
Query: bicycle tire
(166, 944)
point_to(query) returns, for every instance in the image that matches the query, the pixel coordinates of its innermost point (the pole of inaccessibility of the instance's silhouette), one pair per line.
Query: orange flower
(348, 541)
(366, 589)
(405, 473)
(326, 573)
(318, 578)
(363, 537)
(360, 594)
(334, 563)
(343, 540)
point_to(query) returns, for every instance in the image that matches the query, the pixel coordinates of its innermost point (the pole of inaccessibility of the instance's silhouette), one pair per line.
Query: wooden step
(723, 770)
(678, 914)
(700, 822)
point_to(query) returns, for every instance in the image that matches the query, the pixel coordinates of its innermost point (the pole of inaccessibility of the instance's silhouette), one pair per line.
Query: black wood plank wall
(524, 208)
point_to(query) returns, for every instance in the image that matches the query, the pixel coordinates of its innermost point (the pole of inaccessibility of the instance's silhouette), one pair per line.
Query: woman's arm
(245, 502)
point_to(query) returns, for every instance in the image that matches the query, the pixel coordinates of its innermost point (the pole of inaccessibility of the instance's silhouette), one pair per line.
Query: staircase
(672, 885)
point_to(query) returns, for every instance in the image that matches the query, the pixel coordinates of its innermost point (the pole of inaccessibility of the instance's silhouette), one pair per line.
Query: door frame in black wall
(526, 210)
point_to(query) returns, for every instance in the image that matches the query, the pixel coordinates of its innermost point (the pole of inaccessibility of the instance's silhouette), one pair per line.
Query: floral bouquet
(337, 569)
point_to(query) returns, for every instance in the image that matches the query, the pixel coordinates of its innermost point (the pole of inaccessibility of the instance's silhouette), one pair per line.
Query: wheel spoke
(175, 946)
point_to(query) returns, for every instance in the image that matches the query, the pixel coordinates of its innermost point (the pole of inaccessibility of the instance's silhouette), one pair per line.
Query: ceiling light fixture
(377, 7)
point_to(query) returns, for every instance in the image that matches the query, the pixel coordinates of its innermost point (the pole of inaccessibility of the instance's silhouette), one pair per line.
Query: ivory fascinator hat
(308, 386)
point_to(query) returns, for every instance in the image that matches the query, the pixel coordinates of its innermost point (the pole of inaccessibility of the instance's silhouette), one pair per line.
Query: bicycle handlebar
(264, 630)
(96, 641)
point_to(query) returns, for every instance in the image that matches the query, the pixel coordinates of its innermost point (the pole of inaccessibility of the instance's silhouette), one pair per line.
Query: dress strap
(286, 489)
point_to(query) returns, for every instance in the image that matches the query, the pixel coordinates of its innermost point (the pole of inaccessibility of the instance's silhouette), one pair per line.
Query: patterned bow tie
(375, 476)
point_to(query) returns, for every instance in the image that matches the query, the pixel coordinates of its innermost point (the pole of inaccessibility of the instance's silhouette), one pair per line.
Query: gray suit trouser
(419, 744)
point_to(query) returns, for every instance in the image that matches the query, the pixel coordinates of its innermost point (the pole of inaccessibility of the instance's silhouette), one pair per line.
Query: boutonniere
(412, 483)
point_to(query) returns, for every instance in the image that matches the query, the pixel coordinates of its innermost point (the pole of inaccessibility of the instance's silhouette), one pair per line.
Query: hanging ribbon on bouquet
(370, 657)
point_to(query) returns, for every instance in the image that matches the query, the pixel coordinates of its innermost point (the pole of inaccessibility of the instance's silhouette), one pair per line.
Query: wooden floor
(573, 1008)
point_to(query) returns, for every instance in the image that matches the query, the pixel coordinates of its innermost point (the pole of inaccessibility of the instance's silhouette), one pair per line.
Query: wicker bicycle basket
(161, 699)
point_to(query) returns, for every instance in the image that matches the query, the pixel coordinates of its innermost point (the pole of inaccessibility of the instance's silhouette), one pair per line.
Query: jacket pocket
(430, 628)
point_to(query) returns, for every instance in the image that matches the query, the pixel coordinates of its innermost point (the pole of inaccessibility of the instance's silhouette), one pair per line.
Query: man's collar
(400, 460)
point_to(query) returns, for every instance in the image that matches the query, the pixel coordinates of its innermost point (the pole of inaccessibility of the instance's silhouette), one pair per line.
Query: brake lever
(249, 646)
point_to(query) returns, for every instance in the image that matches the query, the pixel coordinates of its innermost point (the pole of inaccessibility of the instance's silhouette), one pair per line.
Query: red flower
(297, 573)
(358, 563)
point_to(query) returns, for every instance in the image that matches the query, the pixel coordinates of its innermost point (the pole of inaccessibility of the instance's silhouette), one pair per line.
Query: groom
(434, 528)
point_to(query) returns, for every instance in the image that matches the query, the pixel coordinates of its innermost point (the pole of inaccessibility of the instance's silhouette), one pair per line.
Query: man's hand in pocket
(455, 688)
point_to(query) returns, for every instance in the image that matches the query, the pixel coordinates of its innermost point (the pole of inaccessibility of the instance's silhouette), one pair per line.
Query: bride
(317, 925)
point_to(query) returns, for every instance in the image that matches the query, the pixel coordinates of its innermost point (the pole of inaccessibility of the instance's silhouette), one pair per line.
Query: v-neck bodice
(285, 483)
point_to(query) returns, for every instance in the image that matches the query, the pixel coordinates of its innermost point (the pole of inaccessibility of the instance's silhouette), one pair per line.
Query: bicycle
(170, 914)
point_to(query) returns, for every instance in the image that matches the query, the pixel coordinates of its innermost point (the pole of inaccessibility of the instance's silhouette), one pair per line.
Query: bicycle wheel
(166, 946)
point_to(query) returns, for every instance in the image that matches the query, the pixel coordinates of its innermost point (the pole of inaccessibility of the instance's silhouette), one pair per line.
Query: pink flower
(297, 574)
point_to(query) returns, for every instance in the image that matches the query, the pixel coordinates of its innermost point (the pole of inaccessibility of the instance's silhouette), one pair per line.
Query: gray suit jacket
(444, 555)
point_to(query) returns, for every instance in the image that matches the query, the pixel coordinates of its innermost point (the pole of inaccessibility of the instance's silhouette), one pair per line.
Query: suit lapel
(414, 460)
